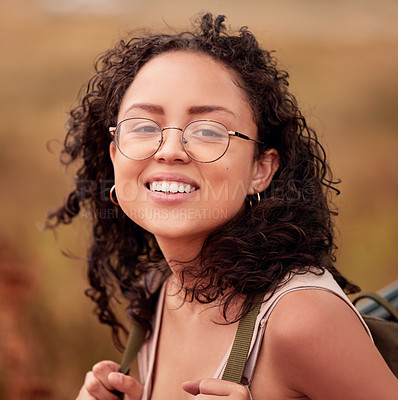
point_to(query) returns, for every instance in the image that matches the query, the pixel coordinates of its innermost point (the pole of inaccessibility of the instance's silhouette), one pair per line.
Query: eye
(139, 128)
(206, 131)
(145, 129)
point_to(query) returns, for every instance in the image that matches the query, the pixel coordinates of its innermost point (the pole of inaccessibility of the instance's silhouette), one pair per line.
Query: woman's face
(175, 89)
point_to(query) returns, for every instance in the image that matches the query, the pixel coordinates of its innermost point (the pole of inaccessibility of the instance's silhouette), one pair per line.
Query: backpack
(384, 331)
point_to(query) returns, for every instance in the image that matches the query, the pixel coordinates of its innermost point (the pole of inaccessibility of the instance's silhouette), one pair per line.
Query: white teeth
(171, 187)
(174, 187)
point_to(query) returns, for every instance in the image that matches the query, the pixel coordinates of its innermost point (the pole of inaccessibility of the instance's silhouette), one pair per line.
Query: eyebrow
(194, 110)
(154, 108)
(205, 109)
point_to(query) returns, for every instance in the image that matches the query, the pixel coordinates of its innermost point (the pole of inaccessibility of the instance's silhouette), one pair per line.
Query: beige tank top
(146, 357)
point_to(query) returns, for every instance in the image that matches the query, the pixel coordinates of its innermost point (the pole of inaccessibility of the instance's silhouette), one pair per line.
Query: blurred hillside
(343, 59)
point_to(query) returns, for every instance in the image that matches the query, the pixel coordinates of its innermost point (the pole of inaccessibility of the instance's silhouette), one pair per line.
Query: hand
(103, 378)
(209, 389)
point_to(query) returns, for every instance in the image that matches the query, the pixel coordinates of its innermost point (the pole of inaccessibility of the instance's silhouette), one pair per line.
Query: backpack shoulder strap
(134, 342)
(379, 300)
(240, 348)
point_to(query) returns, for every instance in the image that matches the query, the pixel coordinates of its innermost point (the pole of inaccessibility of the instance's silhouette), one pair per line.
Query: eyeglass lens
(203, 140)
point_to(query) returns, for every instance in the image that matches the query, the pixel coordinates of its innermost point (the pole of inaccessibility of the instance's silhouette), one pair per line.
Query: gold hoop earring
(111, 196)
(250, 199)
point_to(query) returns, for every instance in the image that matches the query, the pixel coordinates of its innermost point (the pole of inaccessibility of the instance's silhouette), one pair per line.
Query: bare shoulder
(321, 350)
(306, 313)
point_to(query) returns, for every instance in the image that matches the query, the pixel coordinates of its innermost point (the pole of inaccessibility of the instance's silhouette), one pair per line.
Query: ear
(112, 152)
(263, 171)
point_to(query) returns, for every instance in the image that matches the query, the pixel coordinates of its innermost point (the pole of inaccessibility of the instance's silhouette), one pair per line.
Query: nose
(171, 149)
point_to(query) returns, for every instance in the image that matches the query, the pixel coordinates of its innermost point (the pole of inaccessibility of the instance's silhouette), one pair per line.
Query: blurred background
(343, 61)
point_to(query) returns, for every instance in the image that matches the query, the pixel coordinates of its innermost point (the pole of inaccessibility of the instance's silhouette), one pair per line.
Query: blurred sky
(343, 60)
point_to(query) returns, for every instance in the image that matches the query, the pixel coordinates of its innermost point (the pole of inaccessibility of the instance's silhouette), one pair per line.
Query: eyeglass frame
(113, 130)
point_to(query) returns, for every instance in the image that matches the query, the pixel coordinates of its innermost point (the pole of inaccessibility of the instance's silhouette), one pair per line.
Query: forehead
(186, 79)
(192, 63)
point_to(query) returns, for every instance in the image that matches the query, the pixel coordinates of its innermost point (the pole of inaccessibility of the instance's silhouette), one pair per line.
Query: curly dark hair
(289, 230)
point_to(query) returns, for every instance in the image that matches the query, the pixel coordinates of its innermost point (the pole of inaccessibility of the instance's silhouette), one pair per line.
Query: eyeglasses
(203, 140)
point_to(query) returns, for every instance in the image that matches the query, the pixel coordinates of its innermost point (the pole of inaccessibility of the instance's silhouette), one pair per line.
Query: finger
(95, 388)
(84, 395)
(102, 370)
(191, 387)
(126, 384)
(219, 387)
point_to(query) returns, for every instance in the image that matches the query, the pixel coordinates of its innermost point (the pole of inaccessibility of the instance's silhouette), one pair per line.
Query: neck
(180, 253)
(177, 301)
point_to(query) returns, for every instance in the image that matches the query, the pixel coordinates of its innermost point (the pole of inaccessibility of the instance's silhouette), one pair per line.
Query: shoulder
(317, 341)
(305, 313)
(313, 321)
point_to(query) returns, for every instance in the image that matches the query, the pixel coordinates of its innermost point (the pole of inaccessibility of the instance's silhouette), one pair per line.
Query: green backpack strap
(133, 345)
(134, 341)
(240, 348)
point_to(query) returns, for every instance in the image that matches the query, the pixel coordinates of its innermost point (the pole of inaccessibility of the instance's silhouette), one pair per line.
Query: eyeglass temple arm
(112, 130)
(242, 136)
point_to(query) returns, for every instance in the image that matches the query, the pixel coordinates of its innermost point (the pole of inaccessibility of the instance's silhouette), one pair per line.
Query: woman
(197, 140)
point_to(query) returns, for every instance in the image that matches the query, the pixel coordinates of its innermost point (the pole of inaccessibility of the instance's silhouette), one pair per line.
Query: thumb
(191, 387)
(126, 384)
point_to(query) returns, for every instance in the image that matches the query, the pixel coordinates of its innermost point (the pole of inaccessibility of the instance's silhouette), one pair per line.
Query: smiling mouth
(170, 187)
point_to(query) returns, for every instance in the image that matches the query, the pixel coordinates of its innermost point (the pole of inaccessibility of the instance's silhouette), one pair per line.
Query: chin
(175, 226)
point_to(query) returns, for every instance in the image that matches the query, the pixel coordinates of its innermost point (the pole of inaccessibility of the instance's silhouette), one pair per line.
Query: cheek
(126, 181)
(126, 191)
(227, 186)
